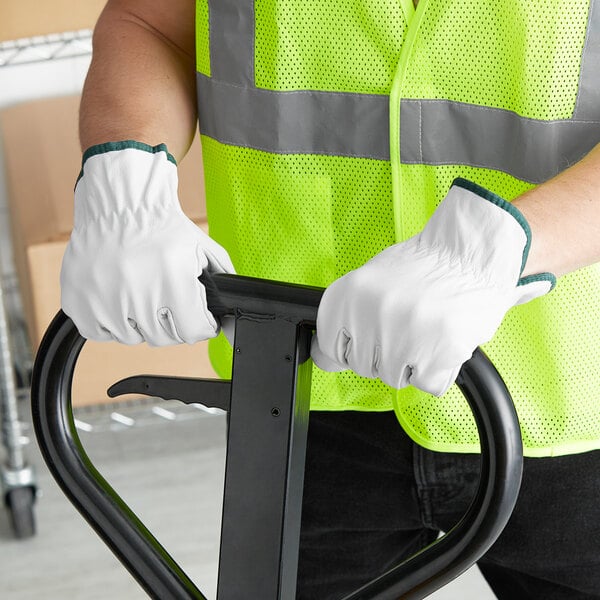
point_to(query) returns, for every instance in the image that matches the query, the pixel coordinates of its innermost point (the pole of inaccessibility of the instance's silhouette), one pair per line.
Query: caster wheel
(19, 502)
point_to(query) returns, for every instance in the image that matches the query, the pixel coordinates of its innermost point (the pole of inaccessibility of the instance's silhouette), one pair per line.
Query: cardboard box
(28, 18)
(42, 160)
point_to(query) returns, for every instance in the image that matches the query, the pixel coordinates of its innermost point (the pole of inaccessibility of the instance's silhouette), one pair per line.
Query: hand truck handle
(148, 561)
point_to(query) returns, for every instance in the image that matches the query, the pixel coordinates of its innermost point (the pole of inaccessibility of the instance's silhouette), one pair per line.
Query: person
(438, 169)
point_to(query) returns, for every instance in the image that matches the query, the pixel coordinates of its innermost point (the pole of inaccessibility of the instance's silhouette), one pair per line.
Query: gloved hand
(416, 312)
(130, 271)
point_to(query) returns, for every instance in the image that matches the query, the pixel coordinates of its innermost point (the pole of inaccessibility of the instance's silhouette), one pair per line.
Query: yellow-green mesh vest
(333, 128)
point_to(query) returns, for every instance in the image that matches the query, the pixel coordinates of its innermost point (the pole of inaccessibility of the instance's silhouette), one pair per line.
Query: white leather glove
(416, 312)
(130, 271)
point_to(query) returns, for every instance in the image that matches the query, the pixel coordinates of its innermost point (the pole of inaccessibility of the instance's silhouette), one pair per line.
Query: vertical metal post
(11, 428)
(268, 425)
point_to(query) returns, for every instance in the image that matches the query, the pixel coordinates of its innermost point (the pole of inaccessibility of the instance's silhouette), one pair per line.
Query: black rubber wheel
(19, 502)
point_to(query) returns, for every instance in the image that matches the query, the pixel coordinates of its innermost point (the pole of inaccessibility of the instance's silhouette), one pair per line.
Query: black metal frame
(268, 405)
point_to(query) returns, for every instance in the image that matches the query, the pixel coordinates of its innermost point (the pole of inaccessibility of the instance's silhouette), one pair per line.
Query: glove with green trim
(415, 313)
(130, 271)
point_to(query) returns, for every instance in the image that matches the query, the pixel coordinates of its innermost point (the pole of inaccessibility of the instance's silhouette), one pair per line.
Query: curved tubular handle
(104, 510)
(147, 560)
(499, 483)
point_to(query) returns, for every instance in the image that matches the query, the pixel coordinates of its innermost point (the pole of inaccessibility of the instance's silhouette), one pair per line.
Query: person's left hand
(416, 312)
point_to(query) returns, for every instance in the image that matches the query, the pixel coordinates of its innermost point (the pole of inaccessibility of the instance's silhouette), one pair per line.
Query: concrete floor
(170, 472)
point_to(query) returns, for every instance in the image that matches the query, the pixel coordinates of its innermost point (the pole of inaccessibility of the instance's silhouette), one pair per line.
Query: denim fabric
(372, 497)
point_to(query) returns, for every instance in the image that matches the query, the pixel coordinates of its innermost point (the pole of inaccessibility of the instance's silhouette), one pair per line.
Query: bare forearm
(564, 215)
(141, 83)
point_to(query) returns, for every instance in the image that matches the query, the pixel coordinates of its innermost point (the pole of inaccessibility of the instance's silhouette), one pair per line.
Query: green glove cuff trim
(123, 145)
(505, 205)
(539, 277)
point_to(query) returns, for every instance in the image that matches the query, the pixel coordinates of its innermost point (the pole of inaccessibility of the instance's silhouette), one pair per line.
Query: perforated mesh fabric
(254, 195)
(310, 219)
(202, 38)
(328, 45)
(322, 215)
(491, 43)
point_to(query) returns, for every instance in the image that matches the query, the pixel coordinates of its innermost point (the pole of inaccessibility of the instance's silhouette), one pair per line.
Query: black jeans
(372, 497)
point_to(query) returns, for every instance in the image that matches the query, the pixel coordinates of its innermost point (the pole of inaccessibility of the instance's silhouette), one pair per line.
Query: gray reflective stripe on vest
(588, 98)
(231, 33)
(295, 122)
(432, 132)
(437, 132)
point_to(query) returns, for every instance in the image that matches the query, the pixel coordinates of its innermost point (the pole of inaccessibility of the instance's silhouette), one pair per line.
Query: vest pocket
(273, 213)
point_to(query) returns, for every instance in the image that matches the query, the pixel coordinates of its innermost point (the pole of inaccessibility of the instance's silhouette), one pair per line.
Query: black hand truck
(267, 401)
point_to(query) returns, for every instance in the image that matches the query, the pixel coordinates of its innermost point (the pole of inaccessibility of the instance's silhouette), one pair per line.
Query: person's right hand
(130, 271)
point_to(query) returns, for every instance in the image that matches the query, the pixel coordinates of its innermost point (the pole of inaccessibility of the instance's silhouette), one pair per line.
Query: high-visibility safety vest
(331, 129)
